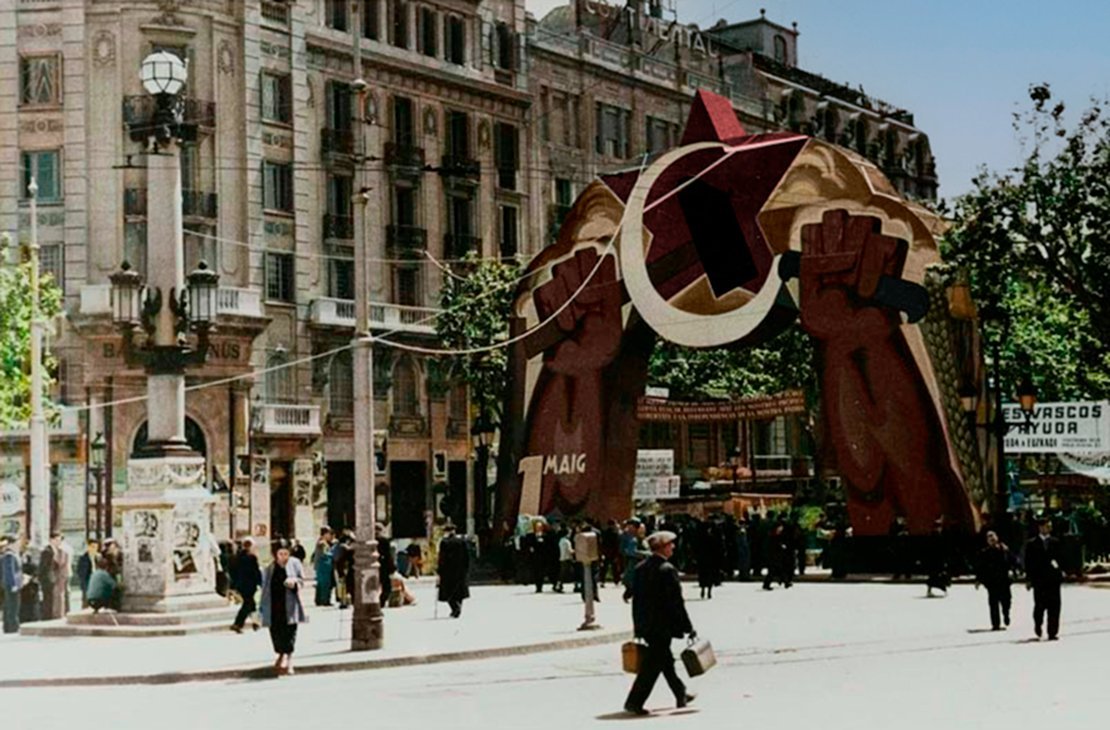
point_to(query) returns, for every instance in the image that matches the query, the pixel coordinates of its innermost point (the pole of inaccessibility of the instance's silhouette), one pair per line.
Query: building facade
(480, 126)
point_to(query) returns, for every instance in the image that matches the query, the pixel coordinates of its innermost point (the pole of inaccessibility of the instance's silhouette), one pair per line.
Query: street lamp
(482, 432)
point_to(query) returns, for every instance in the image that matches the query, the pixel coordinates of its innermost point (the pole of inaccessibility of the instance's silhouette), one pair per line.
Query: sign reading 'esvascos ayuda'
(1053, 428)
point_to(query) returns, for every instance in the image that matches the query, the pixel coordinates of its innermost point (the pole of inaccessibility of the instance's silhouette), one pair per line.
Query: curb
(267, 672)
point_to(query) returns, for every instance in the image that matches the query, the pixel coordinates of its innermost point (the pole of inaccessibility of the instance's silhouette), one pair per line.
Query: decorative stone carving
(430, 122)
(310, 99)
(104, 49)
(225, 58)
(40, 30)
(169, 10)
(483, 134)
(160, 474)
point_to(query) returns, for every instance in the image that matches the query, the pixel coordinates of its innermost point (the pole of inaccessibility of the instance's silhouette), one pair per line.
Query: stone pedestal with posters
(168, 548)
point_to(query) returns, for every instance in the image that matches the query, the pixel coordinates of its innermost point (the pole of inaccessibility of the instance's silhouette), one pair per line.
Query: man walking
(658, 615)
(85, 566)
(1043, 558)
(245, 580)
(11, 580)
(53, 578)
(994, 573)
(454, 564)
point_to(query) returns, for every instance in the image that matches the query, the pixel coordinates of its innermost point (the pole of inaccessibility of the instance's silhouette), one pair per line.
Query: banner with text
(781, 404)
(1081, 427)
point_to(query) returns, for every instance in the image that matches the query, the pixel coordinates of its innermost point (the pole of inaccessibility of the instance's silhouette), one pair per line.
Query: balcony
(460, 166)
(330, 312)
(275, 12)
(458, 245)
(290, 420)
(340, 227)
(408, 239)
(506, 178)
(337, 142)
(404, 158)
(96, 300)
(199, 204)
(138, 113)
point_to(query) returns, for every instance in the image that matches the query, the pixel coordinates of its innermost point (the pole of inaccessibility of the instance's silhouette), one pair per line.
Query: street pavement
(816, 655)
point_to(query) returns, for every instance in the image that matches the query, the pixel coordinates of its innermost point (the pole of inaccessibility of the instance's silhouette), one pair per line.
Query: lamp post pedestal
(168, 561)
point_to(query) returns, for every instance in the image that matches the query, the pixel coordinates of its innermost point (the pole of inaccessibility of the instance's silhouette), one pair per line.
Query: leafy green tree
(15, 334)
(1034, 243)
(476, 299)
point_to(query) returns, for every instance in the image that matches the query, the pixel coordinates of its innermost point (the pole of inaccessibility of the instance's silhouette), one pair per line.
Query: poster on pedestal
(260, 499)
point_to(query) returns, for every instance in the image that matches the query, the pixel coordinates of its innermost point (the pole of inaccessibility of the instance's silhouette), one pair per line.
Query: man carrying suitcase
(658, 615)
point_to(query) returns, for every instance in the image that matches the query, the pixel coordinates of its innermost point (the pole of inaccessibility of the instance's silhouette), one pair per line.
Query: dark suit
(245, 579)
(658, 615)
(453, 569)
(994, 574)
(1043, 558)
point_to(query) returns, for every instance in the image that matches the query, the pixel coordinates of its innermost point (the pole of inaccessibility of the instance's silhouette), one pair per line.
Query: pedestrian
(296, 550)
(610, 548)
(30, 600)
(566, 561)
(900, 547)
(245, 581)
(85, 566)
(1043, 574)
(415, 567)
(113, 563)
(281, 606)
(324, 566)
(535, 547)
(102, 588)
(779, 557)
(52, 577)
(453, 585)
(994, 574)
(630, 551)
(343, 562)
(938, 576)
(709, 553)
(386, 564)
(11, 581)
(743, 553)
(658, 615)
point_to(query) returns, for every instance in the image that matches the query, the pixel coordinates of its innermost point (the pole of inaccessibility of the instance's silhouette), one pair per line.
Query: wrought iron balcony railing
(409, 238)
(339, 226)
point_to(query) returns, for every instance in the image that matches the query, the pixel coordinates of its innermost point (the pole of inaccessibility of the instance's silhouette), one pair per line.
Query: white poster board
(1081, 427)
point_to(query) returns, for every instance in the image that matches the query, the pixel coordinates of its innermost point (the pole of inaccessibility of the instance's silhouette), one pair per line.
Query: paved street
(818, 655)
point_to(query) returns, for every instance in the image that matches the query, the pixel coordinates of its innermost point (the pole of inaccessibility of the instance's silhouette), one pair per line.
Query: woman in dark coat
(709, 553)
(939, 576)
(453, 569)
(281, 606)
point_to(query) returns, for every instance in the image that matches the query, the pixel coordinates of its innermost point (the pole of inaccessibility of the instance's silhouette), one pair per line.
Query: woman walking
(281, 607)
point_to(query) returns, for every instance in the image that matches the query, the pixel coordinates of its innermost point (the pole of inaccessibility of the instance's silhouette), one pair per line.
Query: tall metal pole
(40, 467)
(366, 623)
(1001, 490)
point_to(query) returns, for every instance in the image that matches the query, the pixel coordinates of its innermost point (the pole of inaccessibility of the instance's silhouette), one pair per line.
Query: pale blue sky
(961, 66)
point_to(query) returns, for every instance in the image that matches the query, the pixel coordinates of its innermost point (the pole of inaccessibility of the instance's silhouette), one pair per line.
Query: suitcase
(698, 657)
(632, 656)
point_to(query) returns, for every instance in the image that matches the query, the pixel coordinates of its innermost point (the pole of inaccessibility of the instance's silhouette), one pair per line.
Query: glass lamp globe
(163, 72)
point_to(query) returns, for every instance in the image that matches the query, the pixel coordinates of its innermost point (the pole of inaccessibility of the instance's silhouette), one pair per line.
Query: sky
(963, 67)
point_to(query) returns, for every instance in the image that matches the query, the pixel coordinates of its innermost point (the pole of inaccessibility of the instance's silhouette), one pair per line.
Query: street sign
(1081, 427)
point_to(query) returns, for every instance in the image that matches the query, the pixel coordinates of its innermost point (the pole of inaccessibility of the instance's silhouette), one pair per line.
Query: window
(405, 395)
(699, 451)
(338, 101)
(42, 166)
(280, 281)
(456, 403)
(370, 19)
(399, 25)
(780, 49)
(339, 195)
(277, 98)
(190, 166)
(341, 385)
(277, 186)
(458, 135)
(504, 48)
(613, 131)
(454, 40)
(509, 230)
(52, 262)
(337, 14)
(426, 31)
(278, 382)
(545, 115)
(657, 135)
(200, 245)
(460, 226)
(134, 245)
(341, 273)
(506, 155)
(404, 134)
(564, 192)
(407, 286)
(404, 205)
(40, 80)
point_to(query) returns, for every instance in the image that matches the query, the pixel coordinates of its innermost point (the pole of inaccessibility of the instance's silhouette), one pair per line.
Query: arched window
(780, 50)
(278, 383)
(406, 398)
(341, 390)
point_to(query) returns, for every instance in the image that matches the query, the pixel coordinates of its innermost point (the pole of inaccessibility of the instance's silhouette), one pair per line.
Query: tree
(476, 301)
(15, 334)
(1034, 243)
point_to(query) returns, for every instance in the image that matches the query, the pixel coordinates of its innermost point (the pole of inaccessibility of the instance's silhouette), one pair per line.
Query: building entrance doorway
(408, 489)
(281, 499)
(341, 495)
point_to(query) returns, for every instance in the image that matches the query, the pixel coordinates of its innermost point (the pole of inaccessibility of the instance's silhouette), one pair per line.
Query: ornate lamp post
(482, 432)
(97, 472)
(167, 511)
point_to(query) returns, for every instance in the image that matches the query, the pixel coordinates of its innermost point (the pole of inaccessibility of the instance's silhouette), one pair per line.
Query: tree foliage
(784, 363)
(1034, 241)
(15, 334)
(476, 299)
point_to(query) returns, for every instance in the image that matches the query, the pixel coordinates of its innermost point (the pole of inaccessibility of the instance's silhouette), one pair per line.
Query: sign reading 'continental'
(1077, 428)
(655, 409)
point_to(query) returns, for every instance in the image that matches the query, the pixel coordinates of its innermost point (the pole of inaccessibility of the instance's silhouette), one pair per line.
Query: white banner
(649, 488)
(655, 477)
(1079, 428)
